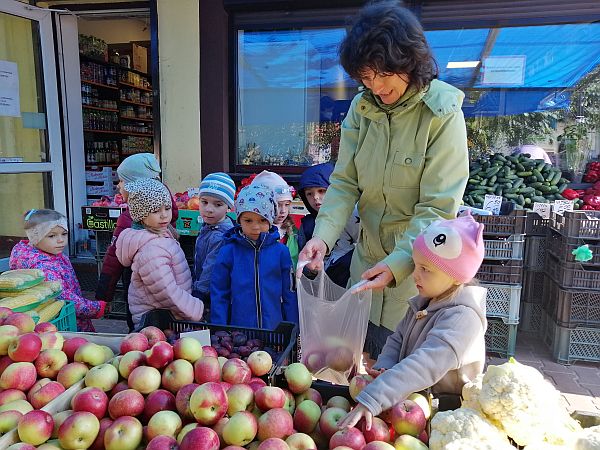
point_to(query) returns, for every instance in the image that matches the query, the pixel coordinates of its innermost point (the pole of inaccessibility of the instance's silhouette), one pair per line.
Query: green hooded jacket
(406, 165)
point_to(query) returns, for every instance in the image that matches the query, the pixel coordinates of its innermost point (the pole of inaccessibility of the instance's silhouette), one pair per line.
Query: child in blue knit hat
(251, 282)
(216, 198)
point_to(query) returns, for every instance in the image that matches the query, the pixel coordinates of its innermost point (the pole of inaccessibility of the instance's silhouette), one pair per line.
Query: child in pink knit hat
(439, 343)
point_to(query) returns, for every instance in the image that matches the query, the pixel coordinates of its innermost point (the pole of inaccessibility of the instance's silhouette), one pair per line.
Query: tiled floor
(579, 383)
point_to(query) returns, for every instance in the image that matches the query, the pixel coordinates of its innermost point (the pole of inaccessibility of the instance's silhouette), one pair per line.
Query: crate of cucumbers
(518, 179)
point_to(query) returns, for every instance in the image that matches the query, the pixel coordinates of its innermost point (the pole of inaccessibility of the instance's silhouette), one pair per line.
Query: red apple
(26, 348)
(126, 403)
(104, 376)
(71, 373)
(188, 348)
(9, 420)
(11, 395)
(240, 398)
(52, 339)
(163, 443)
(177, 374)
(160, 355)
(20, 375)
(125, 433)
(358, 383)
(408, 418)
(44, 394)
(328, 423)
(380, 431)
(49, 362)
(98, 443)
(277, 422)
(59, 418)
(256, 383)
(91, 354)
(408, 442)
(71, 345)
(348, 437)
(310, 394)
(269, 397)
(134, 341)
(35, 427)
(5, 312)
(44, 327)
(130, 361)
(298, 377)
(22, 406)
(200, 438)
(273, 444)
(5, 361)
(153, 334)
(241, 429)
(340, 358)
(378, 445)
(423, 437)
(24, 322)
(217, 427)
(91, 399)
(8, 333)
(159, 400)
(236, 371)
(182, 400)
(207, 350)
(339, 402)
(206, 369)
(208, 403)
(164, 423)
(79, 430)
(290, 401)
(121, 386)
(306, 416)
(300, 441)
(314, 361)
(260, 363)
(144, 379)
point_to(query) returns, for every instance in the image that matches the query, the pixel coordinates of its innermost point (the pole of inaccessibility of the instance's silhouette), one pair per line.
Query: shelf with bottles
(130, 102)
(136, 144)
(100, 121)
(93, 83)
(102, 152)
(99, 74)
(99, 109)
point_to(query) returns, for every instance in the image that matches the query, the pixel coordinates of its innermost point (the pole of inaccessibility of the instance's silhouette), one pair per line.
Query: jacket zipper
(257, 284)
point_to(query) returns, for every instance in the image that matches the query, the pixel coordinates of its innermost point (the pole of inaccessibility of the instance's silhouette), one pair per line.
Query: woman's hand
(313, 253)
(378, 277)
(355, 415)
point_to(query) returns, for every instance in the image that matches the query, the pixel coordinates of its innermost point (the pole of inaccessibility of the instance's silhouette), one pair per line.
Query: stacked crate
(571, 315)
(536, 230)
(502, 274)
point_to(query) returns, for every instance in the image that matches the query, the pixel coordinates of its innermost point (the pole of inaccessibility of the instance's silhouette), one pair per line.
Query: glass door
(31, 163)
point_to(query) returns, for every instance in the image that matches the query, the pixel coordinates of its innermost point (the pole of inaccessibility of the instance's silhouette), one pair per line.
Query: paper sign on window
(9, 89)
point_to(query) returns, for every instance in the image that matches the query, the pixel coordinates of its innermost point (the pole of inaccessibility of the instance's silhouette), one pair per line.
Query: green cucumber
(524, 174)
(556, 178)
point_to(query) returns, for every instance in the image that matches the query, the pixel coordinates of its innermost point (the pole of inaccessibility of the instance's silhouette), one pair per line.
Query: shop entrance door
(31, 163)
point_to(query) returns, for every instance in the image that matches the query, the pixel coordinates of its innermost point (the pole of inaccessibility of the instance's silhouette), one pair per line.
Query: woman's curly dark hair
(388, 38)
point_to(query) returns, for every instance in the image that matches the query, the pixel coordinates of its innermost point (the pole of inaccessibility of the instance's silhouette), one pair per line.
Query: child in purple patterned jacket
(47, 233)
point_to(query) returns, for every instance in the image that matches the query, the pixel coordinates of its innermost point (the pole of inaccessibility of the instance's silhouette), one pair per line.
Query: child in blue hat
(251, 283)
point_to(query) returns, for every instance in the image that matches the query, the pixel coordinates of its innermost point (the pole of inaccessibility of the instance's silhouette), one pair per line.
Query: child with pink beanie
(439, 343)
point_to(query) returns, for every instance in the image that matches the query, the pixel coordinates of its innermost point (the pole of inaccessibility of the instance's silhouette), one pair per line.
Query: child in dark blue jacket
(251, 283)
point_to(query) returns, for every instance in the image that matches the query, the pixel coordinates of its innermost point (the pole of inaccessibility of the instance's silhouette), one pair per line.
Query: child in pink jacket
(161, 277)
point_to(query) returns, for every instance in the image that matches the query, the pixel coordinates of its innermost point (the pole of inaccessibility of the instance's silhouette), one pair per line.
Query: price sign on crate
(492, 203)
(560, 206)
(543, 209)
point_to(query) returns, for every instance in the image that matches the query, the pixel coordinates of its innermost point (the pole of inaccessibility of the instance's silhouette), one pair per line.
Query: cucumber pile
(518, 179)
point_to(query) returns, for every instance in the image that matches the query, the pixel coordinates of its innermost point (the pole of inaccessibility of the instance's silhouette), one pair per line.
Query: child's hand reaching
(374, 372)
(355, 415)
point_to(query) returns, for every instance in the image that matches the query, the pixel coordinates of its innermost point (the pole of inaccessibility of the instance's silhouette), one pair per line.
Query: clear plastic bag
(333, 327)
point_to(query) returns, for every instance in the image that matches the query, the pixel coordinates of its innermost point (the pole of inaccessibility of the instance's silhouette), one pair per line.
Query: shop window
(536, 85)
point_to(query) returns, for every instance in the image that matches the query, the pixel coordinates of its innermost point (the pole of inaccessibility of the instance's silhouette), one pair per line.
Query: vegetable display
(519, 179)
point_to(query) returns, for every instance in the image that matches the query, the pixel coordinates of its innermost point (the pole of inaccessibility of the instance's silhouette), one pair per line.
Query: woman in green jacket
(403, 157)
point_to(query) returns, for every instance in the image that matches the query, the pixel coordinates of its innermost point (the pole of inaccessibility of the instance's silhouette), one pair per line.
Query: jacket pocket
(407, 169)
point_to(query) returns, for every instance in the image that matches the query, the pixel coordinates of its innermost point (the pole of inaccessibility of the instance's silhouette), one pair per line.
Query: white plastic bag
(333, 327)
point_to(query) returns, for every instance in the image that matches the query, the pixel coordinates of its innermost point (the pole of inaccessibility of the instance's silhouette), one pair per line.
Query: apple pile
(37, 365)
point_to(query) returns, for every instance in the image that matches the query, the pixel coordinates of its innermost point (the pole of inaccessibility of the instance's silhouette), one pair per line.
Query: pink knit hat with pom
(453, 246)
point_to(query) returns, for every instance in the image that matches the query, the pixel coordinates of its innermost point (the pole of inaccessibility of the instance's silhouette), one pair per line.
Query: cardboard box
(100, 218)
(107, 188)
(103, 176)
(139, 60)
(188, 222)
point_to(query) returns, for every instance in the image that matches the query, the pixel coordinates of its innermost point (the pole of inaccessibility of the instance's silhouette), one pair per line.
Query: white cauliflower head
(588, 439)
(527, 406)
(471, 392)
(472, 444)
(545, 446)
(449, 426)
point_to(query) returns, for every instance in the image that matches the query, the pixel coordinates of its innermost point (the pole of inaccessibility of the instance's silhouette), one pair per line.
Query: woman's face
(389, 87)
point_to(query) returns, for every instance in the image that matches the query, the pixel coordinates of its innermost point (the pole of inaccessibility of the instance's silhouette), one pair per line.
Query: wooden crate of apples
(157, 395)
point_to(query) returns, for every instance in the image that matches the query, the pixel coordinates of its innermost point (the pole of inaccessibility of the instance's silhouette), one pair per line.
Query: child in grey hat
(251, 282)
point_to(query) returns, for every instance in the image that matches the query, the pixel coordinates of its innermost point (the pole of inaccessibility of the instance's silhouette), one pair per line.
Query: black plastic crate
(568, 275)
(504, 225)
(535, 252)
(533, 287)
(282, 339)
(535, 225)
(501, 272)
(569, 345)
(577, 224)
(571, 307)
(562, 248)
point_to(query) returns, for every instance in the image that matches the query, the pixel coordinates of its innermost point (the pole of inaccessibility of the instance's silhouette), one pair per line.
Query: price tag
(200, 335)
(543, 209)
(492, 203)
(560, 206)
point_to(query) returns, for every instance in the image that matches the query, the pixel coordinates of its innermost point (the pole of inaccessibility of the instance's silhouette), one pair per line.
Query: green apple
(78, 430)
(241, 429)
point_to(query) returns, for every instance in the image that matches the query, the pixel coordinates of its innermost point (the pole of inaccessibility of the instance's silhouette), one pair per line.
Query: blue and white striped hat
(219, 185)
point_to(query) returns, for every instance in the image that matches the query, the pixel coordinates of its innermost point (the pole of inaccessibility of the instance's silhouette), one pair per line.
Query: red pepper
(588, 208)
(591, 176)
(580, 192)
(592, 200)
(570, 194)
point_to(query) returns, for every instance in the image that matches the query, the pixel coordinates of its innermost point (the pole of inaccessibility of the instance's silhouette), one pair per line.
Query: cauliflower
(588, 439)
(545, 446)
(527, 406)
(449, 426)
(472, 444)
(471, 392)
